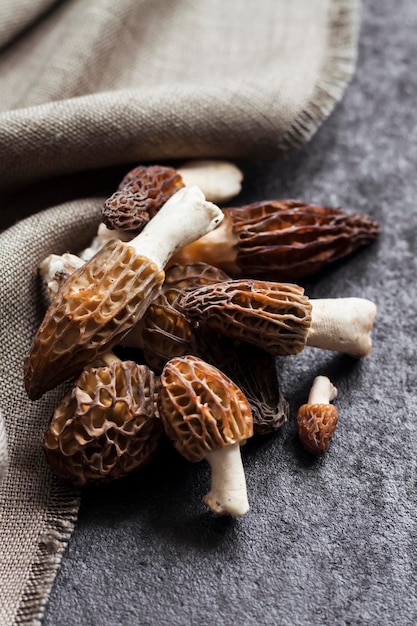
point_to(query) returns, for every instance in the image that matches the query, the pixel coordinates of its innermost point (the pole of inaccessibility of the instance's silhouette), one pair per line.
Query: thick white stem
(322, 391)
(56, 268)
(186, 216)
(342, 324)
(227, 495)
(218, 180)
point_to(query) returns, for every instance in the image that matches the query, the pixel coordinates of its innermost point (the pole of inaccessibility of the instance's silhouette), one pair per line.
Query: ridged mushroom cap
(202, 410)
(316, 425)
(288, 240)
(106, 426)
(142, 192)
(93, 309)
(273, 316)
(167, 332)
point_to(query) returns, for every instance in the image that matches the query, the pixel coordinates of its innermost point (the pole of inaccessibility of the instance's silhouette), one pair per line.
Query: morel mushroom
(317, 420)
(280, 318)
(145, 189)
(102, 300)
(106, 426)
(142, 192)
(282, 240)
(207, 416)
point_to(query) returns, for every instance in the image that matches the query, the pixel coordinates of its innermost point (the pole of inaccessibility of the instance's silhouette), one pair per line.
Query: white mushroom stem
(186, 216)
(56, 268)
(218, 180)
(342, 324)
(322, 391)
(227, 495)
(103, 236)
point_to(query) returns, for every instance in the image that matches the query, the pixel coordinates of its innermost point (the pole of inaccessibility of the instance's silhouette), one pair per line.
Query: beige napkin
(97, 83)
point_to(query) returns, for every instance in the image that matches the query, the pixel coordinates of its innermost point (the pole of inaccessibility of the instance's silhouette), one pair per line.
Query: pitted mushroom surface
(106, 426)
(207, 416)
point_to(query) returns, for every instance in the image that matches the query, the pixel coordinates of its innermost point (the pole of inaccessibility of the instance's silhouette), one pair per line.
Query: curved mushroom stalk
(103, 299)
(228, 494)
(322, 391)
(342, 324)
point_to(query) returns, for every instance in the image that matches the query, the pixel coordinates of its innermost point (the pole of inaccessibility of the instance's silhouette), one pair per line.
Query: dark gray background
(327, 541)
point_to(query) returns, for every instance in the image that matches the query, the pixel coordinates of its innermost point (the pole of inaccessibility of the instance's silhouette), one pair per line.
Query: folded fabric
(98, 83)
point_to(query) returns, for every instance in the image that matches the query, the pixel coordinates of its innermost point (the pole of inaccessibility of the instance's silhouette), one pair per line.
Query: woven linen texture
(99, 83)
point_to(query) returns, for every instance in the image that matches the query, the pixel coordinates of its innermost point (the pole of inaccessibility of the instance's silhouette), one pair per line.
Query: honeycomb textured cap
(272, 316)
(167, 332)
(106, 426)
(142, 192)
(202, 410)
(189, 276)
(316, 424)
(288, 240)
(95, 307)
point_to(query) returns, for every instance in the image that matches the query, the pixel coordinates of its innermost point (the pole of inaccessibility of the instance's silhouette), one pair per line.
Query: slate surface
(328, 541)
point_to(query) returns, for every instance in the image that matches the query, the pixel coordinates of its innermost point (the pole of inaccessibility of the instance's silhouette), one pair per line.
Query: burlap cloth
(87, 84)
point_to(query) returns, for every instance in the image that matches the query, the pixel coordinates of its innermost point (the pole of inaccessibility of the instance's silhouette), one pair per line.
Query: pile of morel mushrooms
(208, 297)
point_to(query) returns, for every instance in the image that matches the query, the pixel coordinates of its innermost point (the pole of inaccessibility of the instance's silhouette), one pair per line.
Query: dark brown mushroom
(281, 240)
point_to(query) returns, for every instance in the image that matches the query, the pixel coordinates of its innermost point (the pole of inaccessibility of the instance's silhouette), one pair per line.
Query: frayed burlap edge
(59, 525)
(335, 74)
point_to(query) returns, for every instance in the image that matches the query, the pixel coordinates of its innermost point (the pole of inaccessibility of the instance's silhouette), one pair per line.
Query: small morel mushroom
(106, 426)
(142, 192)
(280, 240)
(207, 417)
(317, 420)
(280, 318)
(102, 300)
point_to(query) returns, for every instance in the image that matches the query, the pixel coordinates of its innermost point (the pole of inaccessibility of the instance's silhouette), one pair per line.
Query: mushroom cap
(167, 332)
(273, 316)
(95, 307)
(316, 425)
(188, 276)
(201, 409)
(106, 426)
(142, 192)
(288, 240)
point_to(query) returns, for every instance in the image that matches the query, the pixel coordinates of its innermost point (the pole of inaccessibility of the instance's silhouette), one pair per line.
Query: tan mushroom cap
(142, 192)
(316, 425)
(202, 410)
(273, 316)
(106, 426)
(94, 308)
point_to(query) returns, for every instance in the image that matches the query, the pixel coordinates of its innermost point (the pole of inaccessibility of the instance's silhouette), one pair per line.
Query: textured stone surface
(327, 541)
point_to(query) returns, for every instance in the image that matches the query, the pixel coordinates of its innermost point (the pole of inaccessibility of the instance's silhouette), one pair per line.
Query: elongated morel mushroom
(106, 426)
(280, 318)
(207, 417)
(102, 300)
(317, 420)
(280, 240)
